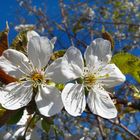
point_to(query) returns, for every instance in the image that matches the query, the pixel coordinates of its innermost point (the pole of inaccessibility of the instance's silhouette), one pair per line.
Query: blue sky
(7, 13)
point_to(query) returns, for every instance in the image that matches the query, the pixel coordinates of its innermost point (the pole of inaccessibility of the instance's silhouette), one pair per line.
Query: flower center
(89, 79)
(38, 78)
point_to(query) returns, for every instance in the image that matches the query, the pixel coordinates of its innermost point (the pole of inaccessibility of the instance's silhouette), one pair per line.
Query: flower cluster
(86, 79)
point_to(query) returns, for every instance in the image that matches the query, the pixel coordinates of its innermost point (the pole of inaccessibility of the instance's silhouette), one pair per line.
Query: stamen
(103, 76)
(89, 78)
(38, 78)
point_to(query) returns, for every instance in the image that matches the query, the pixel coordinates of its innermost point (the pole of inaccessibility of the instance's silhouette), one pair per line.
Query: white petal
(99, 50)
(18, 59)
(39, 51)
(101, 104)
(110, 76)
(61, 72)
(48, 101)
(9, 69)
(74, 57)
(14, 63)
(19, 132)
(73, 98)
(92, 62)
(30, 34)
(90, 58)
(24, 118)
(53, 40)
(16, 95)
(67, 68)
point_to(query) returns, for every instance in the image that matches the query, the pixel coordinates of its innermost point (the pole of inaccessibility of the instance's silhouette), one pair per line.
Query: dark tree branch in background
(28, 125)
(74, 37)
(117, 23)
(101, 127)
(63, 13)
(42, 18)
(118, 123)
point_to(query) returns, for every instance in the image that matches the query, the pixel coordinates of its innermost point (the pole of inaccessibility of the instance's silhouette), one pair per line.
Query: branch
(135, 105)
(101, 128)
(24, 135)
(63, 13)
(117, 23)
(74, 37)
(41, 18)
(118, 123)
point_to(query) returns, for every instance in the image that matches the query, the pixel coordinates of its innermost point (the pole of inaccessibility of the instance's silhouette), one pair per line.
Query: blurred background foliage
(78, 23)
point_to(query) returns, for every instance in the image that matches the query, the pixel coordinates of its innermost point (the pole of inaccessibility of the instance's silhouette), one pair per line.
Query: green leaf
(15, 117)
(60, 86)
(116, 14)
(77, 27)
(4, 39)
(128, 64)
(58, 132)
(46, 124)
(118, 3)
(20, 42)
(136, 92)
(57, 54)
(34, 120)
(137, 95)
(2, 110)
(6, 116)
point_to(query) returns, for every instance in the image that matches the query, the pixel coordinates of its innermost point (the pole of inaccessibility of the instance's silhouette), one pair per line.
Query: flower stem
(24, 135)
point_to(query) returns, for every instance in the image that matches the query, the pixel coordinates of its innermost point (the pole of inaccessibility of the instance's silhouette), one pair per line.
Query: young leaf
(57, 54)
(2, 110)
(128, 64)
(46, 124)
(4, 40)
(20, 42)
(136, 92)
(3, 46)
(77, 27)
(106, 35)
(15, 117)
(6, 116)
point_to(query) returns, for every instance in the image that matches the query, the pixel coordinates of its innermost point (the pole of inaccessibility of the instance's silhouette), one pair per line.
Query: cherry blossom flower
(31, 77)
(90, 78)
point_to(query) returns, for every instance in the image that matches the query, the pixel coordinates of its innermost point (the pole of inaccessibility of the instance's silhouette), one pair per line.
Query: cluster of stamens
(38, 78)
(89, 78)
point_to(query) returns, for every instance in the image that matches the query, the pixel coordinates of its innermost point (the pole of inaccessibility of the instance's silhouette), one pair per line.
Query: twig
(118, 123)
(38, 14)
(117, 23)
(74, 37)
(63, 13)
(101, 128)
(24, 135)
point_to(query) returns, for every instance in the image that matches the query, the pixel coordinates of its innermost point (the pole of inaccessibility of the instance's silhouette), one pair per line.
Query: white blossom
(30, 73)
(24, 26)
(94, 76)
(89, 13)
